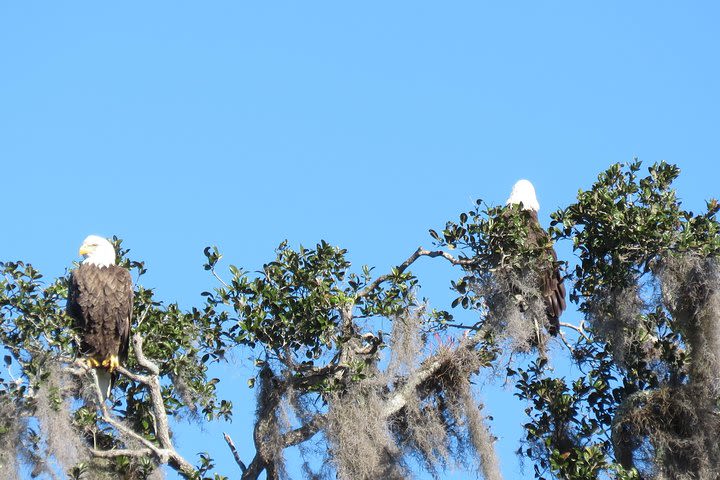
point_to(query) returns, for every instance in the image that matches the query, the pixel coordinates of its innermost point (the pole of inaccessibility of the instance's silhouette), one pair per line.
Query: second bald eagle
(551, 281)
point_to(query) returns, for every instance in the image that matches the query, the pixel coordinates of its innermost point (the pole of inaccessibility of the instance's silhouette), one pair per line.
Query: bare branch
(306, 432)
(462, 326)
(463, 262)
(255, 468)
(137, 342)
(119, 426)
(579, 330)
(212, 270)
(564, 340)
(143, 316)
(235, 453)
(122, 452)
(420, 252)
(144, 379)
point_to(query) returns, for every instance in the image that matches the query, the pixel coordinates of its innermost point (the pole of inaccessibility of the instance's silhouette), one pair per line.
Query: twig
(234, 451)
(541, 347)
(579, 330)
(212, 270)
(142, 317)
(564, 340)
(137, 342)
(460, 325)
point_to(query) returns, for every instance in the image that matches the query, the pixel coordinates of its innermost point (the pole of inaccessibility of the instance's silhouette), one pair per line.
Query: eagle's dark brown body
(100, 301)
(552, 288)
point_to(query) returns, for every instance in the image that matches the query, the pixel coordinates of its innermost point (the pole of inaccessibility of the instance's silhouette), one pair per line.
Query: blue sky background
(177, 124)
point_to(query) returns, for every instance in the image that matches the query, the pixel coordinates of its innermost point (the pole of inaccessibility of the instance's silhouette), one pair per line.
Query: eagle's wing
(554, 293)
(73, 307)
(124, 295)
(553, 288)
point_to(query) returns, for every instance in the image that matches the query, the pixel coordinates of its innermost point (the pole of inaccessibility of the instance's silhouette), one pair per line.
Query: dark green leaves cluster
(568, 433)
(32, 320)
(490, 236)
(295, 304)
(624, 223)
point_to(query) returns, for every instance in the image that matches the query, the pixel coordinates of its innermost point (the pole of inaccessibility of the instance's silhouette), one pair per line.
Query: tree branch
(305, 432)
(255, 468)
(137, 343)
(136, 377)
(235, 453)
(121, 452)
(579, 330)
(420, 252)
(429, 368)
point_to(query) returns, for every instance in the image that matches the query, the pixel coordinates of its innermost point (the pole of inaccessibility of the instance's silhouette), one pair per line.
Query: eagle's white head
(524, 192)
(97, 251)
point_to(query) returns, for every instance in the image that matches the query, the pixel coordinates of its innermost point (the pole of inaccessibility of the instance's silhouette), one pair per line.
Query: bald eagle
(551, 287)
(100, 300)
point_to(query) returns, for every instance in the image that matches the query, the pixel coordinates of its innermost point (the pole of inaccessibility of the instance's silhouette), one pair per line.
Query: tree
(645, 281)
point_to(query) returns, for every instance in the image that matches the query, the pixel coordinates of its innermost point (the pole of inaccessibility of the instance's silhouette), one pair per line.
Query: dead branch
(122, 452)
(580, 330)
(235, 453)
(137, 342)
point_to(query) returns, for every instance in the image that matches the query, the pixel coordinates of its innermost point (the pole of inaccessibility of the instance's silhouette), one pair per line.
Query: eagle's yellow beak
(84, 250)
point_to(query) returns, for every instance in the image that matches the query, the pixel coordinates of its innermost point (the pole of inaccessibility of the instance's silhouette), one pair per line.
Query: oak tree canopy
(644, 280)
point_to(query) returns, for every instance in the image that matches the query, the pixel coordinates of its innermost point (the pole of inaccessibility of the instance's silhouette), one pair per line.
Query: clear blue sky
(177, 124)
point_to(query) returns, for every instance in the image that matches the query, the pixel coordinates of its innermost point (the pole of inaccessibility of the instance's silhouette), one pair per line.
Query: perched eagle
(552, 288)
(100, 300)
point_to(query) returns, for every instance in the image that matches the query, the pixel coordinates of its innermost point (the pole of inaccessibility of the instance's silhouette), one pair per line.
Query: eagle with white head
(552, 287)
(100, 300)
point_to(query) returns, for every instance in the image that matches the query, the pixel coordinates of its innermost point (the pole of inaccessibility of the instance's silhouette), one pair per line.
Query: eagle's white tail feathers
(104, 379)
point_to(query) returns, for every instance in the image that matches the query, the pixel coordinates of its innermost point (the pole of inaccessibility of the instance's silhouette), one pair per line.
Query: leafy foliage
(294, 305)
(626, 230)
(624, 224)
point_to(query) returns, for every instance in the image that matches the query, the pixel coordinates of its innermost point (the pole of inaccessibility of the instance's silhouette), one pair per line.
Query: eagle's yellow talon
(92, 362)
(113, 362)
